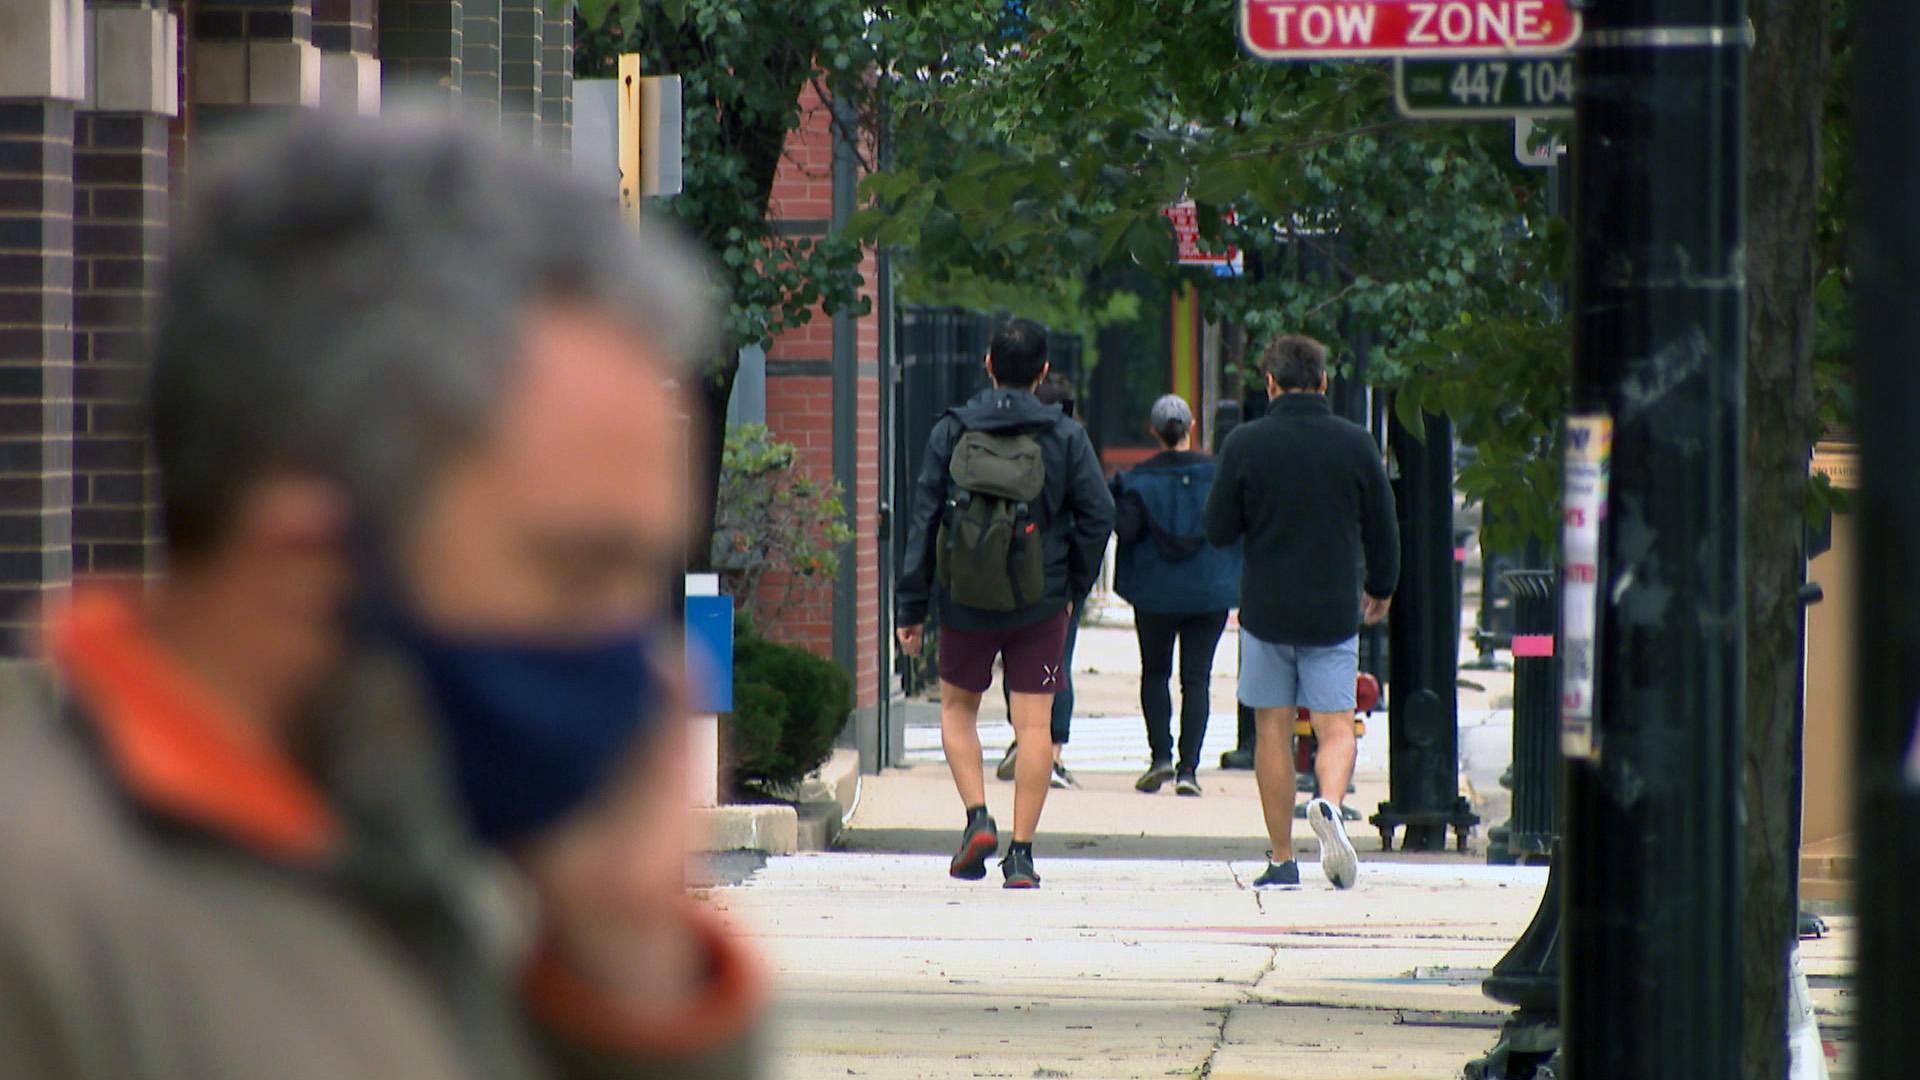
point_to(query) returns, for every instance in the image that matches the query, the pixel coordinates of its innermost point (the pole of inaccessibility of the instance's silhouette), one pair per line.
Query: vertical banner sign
(1589, 449)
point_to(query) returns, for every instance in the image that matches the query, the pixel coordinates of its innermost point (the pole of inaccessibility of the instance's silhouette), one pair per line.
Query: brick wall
(800, 410)
(556, 80)
(523, 26)
(120, 213)
(421, 44)
(36, 359)
(480, 56)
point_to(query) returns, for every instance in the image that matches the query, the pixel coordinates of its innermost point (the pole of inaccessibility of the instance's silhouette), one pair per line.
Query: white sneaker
(1337, 857)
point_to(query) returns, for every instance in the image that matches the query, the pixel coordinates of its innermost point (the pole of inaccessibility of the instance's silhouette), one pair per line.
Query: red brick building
(823, 394)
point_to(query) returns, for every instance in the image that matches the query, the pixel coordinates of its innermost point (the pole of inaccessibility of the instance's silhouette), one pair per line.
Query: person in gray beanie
(1181, 588)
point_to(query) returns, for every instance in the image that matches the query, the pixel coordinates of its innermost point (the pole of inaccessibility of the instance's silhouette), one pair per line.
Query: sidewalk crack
(1225, 1012)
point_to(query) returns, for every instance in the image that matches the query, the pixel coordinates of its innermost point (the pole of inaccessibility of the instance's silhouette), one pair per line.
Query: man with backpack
(1009, 522)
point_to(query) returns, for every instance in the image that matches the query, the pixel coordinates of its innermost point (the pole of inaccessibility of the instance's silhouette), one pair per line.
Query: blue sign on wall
(710, 654)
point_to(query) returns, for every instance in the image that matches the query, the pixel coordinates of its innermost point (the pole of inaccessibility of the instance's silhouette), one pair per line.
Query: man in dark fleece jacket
(1307, 493)
(1074, 515)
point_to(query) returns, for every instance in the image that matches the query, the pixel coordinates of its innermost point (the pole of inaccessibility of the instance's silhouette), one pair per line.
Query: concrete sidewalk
(1129, 968)
(885, 967)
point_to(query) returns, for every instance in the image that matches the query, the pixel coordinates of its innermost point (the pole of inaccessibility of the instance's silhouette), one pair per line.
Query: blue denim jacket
(1165, 565)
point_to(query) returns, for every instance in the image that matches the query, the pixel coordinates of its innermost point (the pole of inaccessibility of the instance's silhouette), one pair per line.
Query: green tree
(1036, 152)
(743, 65)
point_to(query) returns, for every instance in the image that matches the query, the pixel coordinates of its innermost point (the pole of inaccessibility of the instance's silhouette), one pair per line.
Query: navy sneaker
(979, 842)
(1018, 868)
(1278, 875)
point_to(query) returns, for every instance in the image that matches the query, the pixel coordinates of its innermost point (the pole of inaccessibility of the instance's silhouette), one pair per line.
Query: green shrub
(789, 707)
(772, 516)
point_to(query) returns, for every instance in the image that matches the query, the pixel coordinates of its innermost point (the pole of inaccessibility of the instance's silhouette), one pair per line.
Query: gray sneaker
(1004, 770)
(1157, 774)
(1062, 778)
(1338, 860)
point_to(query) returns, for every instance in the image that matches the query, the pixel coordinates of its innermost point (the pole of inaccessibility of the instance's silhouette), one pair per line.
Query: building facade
(104, 107)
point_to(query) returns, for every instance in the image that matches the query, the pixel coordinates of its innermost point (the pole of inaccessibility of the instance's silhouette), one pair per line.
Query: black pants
(1198, 637)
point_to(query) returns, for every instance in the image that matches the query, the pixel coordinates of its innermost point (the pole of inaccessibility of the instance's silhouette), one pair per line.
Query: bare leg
(1333, 762)
(960, 739)
(1273, 772)
(1033, 770)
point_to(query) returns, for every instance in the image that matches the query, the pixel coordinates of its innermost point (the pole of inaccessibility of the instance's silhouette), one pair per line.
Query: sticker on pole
(1589, 453)
(1373, 29)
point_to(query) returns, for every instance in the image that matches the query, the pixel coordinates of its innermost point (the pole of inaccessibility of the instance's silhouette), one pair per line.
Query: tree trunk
(1786, 92)
(715, 390)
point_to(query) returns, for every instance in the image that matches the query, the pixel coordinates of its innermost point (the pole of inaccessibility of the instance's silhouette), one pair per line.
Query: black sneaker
(1237, 759)
(1018, 868)
(1278, 875)
(1062, 778)
(1157, 774)
(979, 842)
(1004, 770)
(1187, 784)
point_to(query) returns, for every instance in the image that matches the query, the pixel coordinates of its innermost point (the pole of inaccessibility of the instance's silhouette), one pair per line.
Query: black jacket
(1307, 492)
(1075, 512)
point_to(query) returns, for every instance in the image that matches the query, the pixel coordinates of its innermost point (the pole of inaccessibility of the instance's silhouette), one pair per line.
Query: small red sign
(1361, 29)
(1185, 217)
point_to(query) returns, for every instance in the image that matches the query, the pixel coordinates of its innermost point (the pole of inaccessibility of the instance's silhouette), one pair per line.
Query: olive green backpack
(990, 554)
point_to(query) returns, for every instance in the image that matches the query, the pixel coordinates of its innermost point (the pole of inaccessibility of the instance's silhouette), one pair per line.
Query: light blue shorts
(1316, 677)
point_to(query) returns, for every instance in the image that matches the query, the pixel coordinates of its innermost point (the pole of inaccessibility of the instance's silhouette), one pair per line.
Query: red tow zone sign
(1372, 29)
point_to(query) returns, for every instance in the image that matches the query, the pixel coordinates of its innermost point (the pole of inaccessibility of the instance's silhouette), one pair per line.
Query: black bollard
(1423, 741)
(1528, 976)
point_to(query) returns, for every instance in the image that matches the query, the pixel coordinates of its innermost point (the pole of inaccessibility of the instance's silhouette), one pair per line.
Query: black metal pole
(1423, 738)
(1887, 264)
(1652, 852)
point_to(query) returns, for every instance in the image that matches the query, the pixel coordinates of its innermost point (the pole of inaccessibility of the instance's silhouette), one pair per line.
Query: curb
(769, 828)
(826, 800)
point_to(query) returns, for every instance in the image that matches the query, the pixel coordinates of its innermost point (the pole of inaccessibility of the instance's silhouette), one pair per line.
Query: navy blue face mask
(533, 729)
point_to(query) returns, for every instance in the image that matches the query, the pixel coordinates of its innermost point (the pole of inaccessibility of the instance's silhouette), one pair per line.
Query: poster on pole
(1589, 455)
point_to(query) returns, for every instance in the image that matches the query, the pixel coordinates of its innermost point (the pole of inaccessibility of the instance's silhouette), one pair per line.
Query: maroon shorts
(1033, 656)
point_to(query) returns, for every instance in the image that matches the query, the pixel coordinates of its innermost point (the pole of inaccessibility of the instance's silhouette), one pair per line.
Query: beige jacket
(177, 903)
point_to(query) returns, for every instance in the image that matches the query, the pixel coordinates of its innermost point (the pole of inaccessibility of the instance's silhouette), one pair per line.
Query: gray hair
(346, 296)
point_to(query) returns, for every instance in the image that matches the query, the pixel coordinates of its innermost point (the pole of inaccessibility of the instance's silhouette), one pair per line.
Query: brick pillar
(522, 44)
(120, 181)
(349, 73)
(41, 64)
(556, 82)
(480, 56)
(181, 125)
(421, 44)
(249, 55)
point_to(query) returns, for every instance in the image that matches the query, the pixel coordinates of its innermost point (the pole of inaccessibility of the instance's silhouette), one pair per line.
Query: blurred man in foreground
(384, 779)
